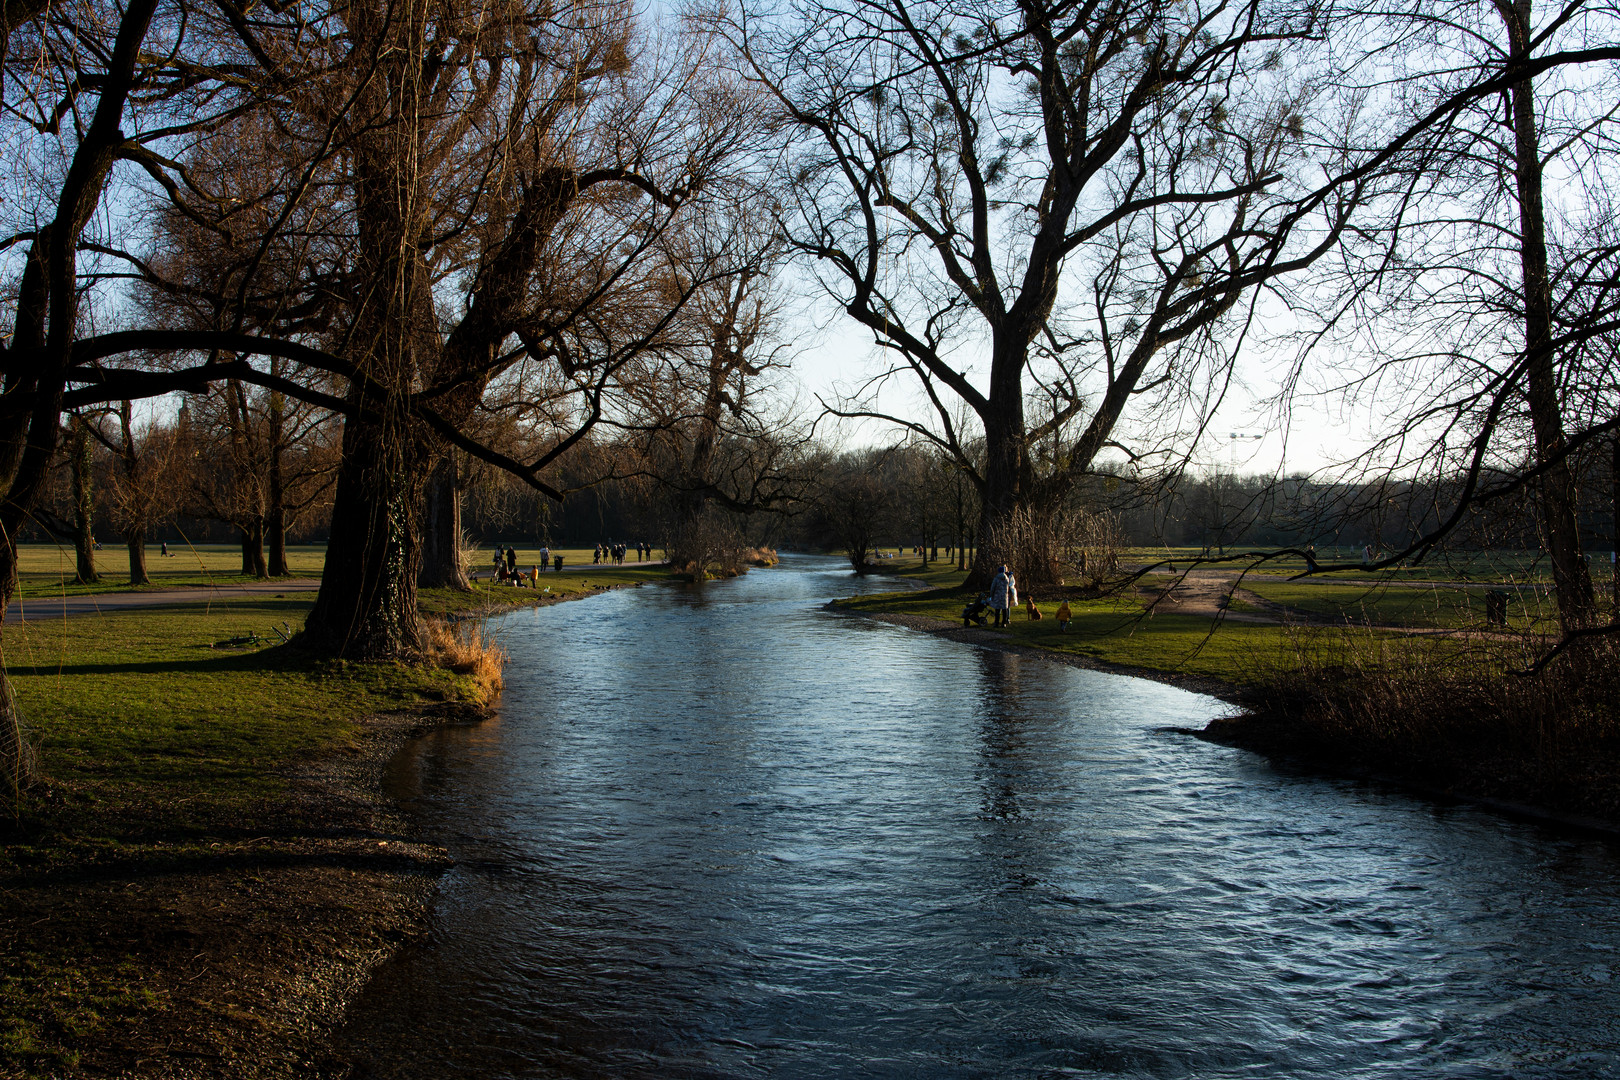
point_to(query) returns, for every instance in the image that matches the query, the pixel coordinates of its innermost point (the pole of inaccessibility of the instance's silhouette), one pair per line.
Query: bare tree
(954, 165)
(1476, 304)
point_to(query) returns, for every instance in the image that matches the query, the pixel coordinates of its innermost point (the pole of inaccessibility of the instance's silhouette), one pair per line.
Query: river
(717, 831)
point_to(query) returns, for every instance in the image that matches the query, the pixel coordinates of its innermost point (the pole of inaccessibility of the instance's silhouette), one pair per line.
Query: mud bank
(231, 950)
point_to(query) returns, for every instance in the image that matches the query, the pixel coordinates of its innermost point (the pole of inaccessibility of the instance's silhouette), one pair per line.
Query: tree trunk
(366, 608)
(81, 465)
(1007, 477)
(275, 522)
(253, 564)
(135, 503)
(1571, 579)
(275, 527)
(135, 538)
(441, 529)
(1614, 528)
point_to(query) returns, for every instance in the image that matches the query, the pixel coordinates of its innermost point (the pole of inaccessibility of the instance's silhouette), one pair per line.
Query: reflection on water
(718, 832)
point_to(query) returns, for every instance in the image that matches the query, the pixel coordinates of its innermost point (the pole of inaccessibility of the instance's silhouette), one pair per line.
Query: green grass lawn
(136, 707)
(1116, 631)
(1490, 567)
(48, 569)
(1418, 607)
(486, 594)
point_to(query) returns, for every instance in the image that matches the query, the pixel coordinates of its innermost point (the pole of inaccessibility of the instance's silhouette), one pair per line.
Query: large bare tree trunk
(1007, 474)
(1571, 579)
(253, 564)
(81, 468)
(366, 608)
(135, 529)
(441, 528)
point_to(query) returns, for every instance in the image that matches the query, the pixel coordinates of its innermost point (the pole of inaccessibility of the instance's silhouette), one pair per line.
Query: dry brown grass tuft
(468, 647)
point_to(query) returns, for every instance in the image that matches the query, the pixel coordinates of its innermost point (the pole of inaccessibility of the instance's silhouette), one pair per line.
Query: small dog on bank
(1031, 610)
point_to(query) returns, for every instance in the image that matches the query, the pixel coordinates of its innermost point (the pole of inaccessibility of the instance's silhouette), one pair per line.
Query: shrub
(1453, 711)
(468, 647)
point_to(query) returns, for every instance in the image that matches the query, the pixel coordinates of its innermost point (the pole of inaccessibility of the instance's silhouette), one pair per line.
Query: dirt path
(1204, 593)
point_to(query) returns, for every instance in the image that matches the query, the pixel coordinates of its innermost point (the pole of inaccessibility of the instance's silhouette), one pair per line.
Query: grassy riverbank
(1113, 631)
(211, 868)
(1401, 682)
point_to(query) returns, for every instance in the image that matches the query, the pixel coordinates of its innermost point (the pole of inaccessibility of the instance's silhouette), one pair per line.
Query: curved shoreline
(1248, 729)
(986, 638)
(236, 951)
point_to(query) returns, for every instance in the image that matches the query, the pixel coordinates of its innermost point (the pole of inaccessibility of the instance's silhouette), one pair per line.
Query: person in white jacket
(1003, 595)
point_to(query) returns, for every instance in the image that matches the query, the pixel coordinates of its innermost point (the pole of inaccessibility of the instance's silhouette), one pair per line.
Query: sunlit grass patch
(1117, 630)
(1393, 604)
(48, 569)
(147, 699)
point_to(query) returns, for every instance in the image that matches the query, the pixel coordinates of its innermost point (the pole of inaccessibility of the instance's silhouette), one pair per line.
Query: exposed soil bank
(229, 953)
(1579, 797)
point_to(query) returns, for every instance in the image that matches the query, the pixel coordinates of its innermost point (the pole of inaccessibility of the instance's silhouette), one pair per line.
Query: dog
(1030, 608)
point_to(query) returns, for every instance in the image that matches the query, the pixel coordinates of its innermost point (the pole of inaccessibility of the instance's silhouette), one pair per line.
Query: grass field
(1116, 632)
(1116, 629)
(1415, 606)
(168, 752)
(1475, 567)
(48, 569)
(138, 709)
(1435, 596)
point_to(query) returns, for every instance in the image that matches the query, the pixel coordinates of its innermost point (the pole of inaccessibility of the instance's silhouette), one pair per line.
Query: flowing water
(717, 831)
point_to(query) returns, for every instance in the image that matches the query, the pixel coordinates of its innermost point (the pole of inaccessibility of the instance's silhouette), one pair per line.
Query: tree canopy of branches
(389, 211)
(1084, 200)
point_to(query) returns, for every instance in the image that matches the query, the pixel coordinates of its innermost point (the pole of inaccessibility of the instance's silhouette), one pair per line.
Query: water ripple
(718, 832)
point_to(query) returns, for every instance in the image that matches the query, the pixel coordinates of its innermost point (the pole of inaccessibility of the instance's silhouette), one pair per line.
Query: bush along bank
(1456, 716)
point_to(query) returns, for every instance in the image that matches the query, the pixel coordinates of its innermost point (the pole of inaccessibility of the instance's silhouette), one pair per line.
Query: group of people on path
(507, 572)
(615, 552)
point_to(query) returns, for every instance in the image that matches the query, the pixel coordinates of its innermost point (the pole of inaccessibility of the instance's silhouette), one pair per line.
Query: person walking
(545, 556)
(1003, 595)
(511, 562)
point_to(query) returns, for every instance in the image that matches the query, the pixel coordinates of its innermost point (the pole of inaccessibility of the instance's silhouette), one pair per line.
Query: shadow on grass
(277, 659)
